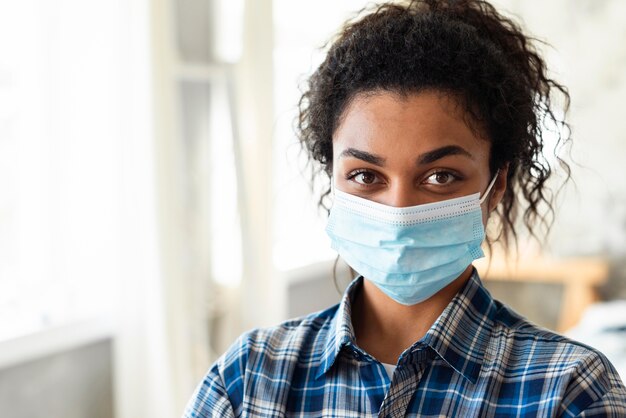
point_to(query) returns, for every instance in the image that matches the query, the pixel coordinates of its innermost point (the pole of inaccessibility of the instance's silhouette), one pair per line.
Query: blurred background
(153, 204)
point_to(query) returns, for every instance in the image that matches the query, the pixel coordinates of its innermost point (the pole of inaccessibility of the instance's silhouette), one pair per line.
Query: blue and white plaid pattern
(479, 359)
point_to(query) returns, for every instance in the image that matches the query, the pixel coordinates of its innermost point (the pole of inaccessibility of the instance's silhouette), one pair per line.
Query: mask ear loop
(488, 190)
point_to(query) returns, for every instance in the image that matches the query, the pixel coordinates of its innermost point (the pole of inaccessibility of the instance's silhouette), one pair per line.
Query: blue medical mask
(409, 253)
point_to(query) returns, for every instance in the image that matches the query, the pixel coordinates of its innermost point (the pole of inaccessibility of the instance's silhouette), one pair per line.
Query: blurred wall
(71, 384)
(586, 50)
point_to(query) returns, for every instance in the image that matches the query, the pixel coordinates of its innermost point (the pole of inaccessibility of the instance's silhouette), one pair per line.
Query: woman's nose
(401, 196)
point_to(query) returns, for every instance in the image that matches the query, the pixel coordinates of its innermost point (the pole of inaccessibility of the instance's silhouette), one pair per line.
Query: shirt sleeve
(220, 394)
(596, 390)
(210, 400)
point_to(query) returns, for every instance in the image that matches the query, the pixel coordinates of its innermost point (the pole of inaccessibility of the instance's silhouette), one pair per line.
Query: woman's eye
(365, 178)
(441, 178)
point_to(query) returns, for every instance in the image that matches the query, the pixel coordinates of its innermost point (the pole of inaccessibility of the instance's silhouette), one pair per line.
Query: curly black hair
(465, 48)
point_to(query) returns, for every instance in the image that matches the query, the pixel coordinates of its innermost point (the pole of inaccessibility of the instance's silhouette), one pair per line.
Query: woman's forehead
(389, 123)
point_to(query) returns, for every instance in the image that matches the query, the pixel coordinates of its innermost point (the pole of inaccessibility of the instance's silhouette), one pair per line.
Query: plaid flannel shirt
(479, 359)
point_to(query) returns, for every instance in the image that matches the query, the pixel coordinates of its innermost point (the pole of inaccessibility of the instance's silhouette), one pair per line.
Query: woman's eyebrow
(363, 155)
(439, 153)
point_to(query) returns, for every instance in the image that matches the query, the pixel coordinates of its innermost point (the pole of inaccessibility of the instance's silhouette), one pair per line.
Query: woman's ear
(499, 187)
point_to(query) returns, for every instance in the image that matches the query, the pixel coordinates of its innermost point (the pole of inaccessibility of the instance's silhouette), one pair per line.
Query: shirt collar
(459, 336)
(341, 332)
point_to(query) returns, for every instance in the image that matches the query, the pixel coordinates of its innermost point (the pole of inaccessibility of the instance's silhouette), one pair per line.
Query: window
(60, 86)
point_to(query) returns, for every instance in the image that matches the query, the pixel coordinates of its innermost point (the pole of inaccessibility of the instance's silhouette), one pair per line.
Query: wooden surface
(580, 278)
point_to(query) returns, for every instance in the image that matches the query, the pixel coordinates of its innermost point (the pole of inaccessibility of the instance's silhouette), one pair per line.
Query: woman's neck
(385, 328)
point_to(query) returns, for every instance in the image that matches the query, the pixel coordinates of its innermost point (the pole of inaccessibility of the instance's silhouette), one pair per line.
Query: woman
(427, 118)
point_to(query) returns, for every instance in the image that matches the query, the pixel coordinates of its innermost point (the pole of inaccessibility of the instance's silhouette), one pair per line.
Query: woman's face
(405, 151)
